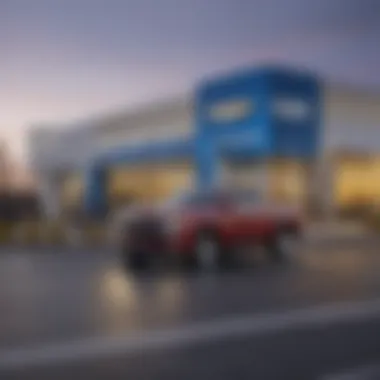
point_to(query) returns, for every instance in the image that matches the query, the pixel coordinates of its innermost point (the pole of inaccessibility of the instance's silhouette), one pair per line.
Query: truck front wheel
(282, 246)
(209, 253)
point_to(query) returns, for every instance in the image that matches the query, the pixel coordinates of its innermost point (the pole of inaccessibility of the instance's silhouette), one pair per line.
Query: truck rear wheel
(134, 260)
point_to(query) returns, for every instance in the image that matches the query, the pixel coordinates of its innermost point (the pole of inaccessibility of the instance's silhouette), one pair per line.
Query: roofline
(93, 121)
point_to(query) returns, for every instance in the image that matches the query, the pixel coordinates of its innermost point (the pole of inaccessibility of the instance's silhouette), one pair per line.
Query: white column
(49, 192)
(327, 172)
(320, 176)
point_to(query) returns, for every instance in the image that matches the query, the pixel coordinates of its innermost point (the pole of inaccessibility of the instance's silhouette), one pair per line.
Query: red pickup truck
(205, 229)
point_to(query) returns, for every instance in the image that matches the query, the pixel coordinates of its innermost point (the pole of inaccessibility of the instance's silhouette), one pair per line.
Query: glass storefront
(146, 183)
(288, 181)
(356, 180)
(72, 191)
(283, 181)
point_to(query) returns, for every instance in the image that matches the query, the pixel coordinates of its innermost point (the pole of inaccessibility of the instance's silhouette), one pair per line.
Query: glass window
(232, 110)
(201, 199)
(248, 197)
(210, 198)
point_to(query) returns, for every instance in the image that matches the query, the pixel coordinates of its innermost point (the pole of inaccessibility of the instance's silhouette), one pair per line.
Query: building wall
(71, 147)
(162, 121)
(351, 145)
(351, 123)
(351, 119)
(59, 154)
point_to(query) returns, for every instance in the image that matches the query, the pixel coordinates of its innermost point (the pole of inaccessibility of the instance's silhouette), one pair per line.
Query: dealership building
(282, 131)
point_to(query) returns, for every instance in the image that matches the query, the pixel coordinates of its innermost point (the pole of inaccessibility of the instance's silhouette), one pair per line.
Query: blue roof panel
(152, 152)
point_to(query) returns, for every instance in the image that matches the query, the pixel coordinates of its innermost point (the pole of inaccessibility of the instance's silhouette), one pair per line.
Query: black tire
(134, 260)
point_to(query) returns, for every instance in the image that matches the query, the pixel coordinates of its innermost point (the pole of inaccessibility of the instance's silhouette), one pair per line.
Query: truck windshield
(245, 196)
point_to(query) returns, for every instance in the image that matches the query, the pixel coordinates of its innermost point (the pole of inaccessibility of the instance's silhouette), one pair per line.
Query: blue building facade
(253, 114)
(263, 113)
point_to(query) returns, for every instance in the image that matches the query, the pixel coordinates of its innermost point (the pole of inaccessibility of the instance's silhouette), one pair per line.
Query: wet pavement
(60, 312)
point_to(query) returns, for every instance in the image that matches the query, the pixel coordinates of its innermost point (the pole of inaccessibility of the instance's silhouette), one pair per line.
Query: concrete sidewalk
(338, 231)
(315, 233)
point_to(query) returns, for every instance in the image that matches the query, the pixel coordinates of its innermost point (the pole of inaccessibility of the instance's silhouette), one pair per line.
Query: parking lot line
(196, 333)
(368, 372)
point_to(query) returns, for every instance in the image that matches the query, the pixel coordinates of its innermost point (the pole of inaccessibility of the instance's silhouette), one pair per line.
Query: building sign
(231, 110)
(253, 138)
(292, 109)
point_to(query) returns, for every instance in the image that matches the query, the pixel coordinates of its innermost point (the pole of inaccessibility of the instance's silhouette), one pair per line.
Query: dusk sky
(63, 60)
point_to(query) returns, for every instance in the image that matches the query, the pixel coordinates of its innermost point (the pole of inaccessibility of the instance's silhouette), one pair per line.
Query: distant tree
(4, 167)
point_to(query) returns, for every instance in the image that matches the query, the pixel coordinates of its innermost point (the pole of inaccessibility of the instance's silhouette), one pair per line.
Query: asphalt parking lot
(79, 315)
